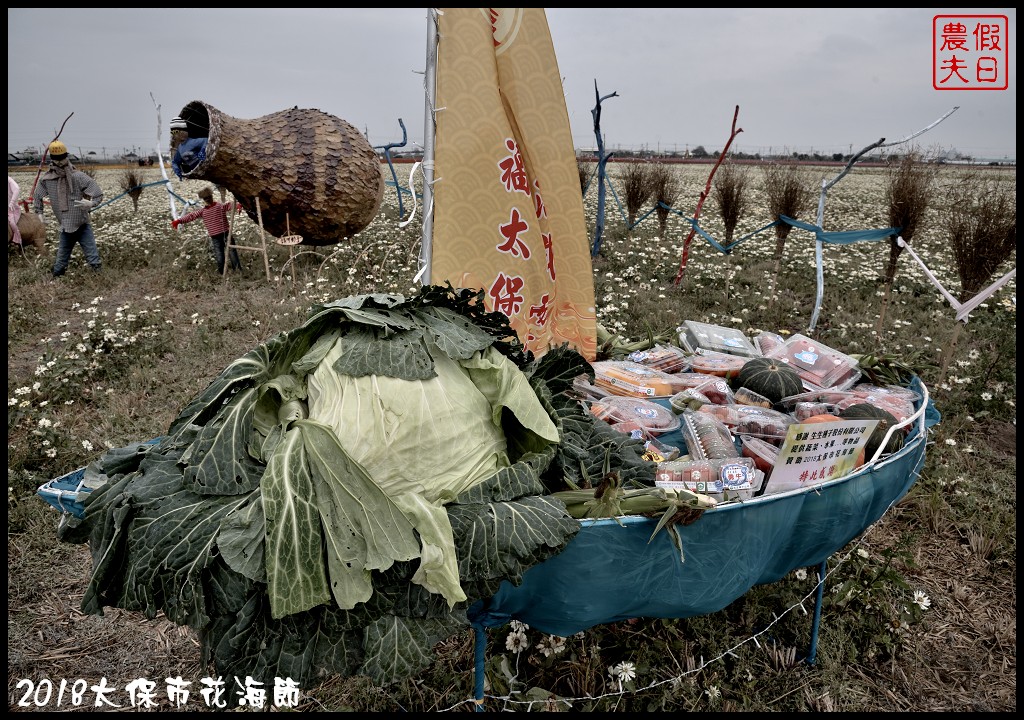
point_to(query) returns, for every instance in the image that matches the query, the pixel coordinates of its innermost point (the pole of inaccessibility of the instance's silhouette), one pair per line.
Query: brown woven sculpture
(314, 174)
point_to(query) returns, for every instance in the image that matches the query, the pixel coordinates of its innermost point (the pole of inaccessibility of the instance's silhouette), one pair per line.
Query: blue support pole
(480, 647)
(813, 652)
(387, 156)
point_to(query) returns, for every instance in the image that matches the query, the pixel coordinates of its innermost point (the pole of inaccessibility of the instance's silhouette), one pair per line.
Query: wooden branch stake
(42, 160)
(705, 193)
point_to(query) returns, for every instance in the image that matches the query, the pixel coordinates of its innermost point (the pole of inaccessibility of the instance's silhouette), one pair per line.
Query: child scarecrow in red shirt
(215, 217)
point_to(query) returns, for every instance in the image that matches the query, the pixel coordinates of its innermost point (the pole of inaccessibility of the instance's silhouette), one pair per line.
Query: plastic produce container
(697, 336)
(819, 366)
(648, 415)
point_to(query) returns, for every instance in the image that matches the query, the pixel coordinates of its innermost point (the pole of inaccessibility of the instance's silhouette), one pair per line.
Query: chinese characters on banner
(508, 210)
(970, 52)
(818, 452)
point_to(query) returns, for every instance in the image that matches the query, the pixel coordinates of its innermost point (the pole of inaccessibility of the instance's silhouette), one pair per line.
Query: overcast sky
(805, 80)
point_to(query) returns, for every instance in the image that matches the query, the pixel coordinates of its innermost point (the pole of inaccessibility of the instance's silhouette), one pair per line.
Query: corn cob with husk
(676, 506)
(610, 500)
(616, 347)
(615, 502)
(891, 369)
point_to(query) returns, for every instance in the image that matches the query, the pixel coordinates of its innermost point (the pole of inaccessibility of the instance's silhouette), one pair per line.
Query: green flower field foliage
(918, 613)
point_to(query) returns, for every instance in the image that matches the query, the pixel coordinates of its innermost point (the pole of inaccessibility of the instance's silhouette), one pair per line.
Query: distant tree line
(700, 153)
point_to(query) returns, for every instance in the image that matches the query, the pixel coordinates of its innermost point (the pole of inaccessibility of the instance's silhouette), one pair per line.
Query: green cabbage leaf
(337, 497)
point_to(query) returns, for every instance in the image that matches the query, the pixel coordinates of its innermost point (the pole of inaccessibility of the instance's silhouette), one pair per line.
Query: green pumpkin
(769, 377)
(886, 420)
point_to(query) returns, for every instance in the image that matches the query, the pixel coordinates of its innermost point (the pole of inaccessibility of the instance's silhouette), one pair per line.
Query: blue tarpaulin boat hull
(610, 572)
(614, 570)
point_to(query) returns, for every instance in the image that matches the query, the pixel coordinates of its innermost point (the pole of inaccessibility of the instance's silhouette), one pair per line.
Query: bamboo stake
(885, 306)
(291, 248)
(263, 238)
(947, 352)
(230, 244)
(774, 282)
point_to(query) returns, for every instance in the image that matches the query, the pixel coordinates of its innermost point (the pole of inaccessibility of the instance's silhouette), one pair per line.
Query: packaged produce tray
(697, 336)
(617, 568)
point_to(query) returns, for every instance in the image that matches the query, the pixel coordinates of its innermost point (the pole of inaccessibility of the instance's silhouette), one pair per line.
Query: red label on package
(970, 52)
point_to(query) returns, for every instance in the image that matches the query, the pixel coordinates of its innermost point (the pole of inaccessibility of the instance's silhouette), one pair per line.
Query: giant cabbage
(338, 496)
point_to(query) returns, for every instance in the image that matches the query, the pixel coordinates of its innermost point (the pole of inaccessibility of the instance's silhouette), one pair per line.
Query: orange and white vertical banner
(508, 210)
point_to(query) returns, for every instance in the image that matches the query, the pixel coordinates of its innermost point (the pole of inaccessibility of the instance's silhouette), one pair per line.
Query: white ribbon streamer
(962, 309)
(412, 212)
(160, 158)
